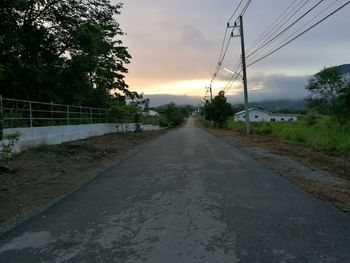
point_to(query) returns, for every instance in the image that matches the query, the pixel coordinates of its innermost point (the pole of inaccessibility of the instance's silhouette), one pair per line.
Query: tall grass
(326, 135)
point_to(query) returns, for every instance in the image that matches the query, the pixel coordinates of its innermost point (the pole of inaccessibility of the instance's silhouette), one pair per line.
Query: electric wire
(224, 49)
(240, 3)
(284, 20)
(221, 60)
(296, 31)
(269, 28)
(271, 35)
(299, 35)
(220, 56)
(284, 30)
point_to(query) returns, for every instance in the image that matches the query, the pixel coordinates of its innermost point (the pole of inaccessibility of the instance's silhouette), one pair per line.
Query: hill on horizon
(343, 69)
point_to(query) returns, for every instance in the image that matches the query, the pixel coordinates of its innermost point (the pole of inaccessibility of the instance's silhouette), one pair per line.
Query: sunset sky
(175, 47)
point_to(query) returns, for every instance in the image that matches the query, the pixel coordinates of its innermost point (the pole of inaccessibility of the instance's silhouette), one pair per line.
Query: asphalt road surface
(185, 197)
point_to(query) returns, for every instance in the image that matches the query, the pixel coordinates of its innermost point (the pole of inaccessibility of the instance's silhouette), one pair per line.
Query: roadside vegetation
(34, 178)
(67, 52)
(218, 111)
(325, 135)
(172, 115)
(324, 127)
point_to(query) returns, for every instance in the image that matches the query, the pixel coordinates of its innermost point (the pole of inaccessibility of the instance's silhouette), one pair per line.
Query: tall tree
(62, 50)
(218, 110)
(329, 92)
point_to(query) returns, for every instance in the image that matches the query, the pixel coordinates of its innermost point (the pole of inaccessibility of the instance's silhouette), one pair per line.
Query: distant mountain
(343, 69)
(277, 105)
(163, 99)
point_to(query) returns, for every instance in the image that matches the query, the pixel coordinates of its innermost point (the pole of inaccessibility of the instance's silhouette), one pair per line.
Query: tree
(330, 93)
(218, 110)
(65, 51)
(173, 115)
(325, 87)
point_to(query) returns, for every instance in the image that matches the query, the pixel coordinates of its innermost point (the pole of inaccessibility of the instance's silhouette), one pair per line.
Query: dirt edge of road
(323, 175)
(36, 179)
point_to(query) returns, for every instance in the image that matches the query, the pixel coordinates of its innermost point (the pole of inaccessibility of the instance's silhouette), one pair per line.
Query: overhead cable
(299, 35)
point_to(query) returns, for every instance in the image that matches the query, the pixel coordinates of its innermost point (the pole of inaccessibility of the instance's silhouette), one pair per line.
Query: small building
(150, 113)
(259, 115)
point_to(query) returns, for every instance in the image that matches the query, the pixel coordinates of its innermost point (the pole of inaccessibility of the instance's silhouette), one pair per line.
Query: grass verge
(326, 136)
(35, 178)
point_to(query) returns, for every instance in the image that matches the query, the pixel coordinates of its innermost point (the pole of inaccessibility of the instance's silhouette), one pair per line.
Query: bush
(173, 115)
(311, 118)
(325, 135)
(7, 144)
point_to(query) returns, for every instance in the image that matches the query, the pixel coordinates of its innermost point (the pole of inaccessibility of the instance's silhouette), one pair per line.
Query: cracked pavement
(187, 196)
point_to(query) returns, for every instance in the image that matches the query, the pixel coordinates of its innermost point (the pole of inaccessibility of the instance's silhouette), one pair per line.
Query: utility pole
(244, 68)
(211, 94)
(1, 119)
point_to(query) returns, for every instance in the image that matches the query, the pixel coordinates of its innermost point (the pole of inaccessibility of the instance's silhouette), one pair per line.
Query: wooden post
(30, 114)
(245, 78)
(68, 114)
(80, 114)
(52, 124)
(1, 119)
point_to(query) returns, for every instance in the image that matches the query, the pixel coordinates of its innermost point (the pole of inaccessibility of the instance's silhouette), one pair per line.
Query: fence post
(90, 116)
(1, 119)
(30, 114)
(52, 113)
(68, 114)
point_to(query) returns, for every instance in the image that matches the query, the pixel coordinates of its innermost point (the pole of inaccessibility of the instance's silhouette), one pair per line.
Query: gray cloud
(180, 40)
(261, 88)
(162, 99)
(274, 87)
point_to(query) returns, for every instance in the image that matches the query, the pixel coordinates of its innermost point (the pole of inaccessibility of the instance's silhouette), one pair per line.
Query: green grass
(326, 135)
(154, 120)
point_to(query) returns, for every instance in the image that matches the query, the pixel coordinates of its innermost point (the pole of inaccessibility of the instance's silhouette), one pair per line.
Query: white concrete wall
(284, 117)
(31, 137)
(254, 116)
(257, 116)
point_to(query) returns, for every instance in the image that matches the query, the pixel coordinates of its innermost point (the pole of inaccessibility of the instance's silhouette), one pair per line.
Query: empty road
(187, 196)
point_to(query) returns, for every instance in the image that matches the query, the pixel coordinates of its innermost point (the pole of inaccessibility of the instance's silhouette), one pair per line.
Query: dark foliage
(330, 93)
(173, 115)
(64, 51)
(218, 110)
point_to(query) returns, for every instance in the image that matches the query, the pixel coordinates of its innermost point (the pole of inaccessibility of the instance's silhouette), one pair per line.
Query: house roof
(251, 109)
(268, 112)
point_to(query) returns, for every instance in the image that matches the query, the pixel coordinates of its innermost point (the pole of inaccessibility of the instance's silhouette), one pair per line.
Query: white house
(256, 115)
(150, 113)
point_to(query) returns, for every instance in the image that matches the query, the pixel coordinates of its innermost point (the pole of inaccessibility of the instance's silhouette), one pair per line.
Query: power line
(285, 30)
(233, 78)
(285, 18)
(223, 51)
(271, 35)
(270, 28)
(296, 31)
(245, 8)
(240, 3)
(221, 60)
(299, 35)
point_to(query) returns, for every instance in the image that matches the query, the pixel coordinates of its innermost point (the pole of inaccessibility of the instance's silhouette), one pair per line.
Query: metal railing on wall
(16, 113)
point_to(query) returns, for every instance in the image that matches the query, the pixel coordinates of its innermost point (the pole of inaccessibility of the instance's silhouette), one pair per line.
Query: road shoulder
(38, 178)
(324, 176)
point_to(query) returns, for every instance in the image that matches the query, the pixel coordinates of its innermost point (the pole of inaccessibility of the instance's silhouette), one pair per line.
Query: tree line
(329, 95)
(65, 51)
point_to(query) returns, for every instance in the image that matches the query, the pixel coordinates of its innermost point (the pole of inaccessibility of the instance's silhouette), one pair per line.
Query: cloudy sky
(175, 47)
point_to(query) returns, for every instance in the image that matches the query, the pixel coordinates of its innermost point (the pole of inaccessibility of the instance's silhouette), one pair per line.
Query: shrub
(7, 144)
(311, 118)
